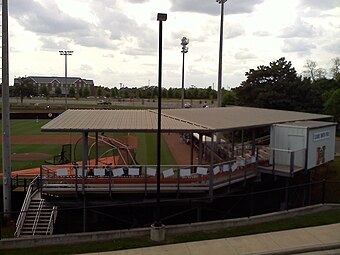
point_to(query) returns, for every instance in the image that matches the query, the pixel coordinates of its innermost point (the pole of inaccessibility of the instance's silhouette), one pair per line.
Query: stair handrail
(52, 220)
(25, 206)
(37, 216)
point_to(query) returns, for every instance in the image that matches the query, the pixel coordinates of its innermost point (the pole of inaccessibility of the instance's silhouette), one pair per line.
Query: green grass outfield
(145, 153)
(26, 127)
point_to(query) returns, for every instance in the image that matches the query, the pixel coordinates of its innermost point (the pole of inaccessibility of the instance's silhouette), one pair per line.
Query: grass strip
(314, 219)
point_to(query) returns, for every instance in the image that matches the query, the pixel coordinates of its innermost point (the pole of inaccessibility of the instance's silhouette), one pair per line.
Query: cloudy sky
(116, 41)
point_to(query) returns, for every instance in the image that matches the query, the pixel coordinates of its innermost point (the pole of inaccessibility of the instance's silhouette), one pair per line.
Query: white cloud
(117, 40)
(333, 47)
(244, 54)
(299, 29)
(261, 33)
(211, 8)
(234, 30)
(300, 46)
(320, 5)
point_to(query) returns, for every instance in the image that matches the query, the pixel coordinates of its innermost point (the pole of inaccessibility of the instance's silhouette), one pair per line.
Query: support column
(84, 163)
(192, 149)
(97, 152)
(211, 173)
(200, 151)
(233, 145)
(253, 142)
(242, 153)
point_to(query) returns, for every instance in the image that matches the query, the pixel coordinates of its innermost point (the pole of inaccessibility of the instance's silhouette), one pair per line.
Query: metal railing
(52, 220)
(30, 192)
(143, 178)
(37, 216)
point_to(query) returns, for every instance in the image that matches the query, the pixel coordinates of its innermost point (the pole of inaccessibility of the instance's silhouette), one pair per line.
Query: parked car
(103, 102)
(187, 105)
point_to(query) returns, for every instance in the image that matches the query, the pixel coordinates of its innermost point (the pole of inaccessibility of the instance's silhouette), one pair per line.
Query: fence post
(292, 159)
(273, 169)
(40, 180)
(178, 182)
(323, 191)
(25, 184)
(145, 181)
(251, 202)
(110, 182)
(287, 194)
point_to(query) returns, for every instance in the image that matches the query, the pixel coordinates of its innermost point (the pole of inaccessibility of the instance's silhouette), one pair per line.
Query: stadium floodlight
(184, 43)
(66, 53)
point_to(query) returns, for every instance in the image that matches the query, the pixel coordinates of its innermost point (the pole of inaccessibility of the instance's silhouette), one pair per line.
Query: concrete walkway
(314, 240)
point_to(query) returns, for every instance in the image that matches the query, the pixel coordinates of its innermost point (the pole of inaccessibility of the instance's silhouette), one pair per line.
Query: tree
(272, 86)
(57, 91)
(80, 92)
(228, 98)
(310, 72)
(72, 91)
(99, 92)
(335, 70)
(86, 92)
(332, 105)
(44, 91)
(313, 72)
(114, 92)
(24, 87)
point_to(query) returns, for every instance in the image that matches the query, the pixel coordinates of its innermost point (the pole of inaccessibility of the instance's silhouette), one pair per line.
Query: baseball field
(30, 147)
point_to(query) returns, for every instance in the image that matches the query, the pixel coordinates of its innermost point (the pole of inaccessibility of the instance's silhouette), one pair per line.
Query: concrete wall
(12, 243)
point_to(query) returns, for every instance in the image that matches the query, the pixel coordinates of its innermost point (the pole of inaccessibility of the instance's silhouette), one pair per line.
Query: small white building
(301, 145)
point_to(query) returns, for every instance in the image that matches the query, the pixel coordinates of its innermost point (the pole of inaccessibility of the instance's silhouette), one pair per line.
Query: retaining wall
(25, 242)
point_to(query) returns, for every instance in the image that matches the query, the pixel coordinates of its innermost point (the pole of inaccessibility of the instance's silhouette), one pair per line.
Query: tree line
(273, 86)
(278, 86)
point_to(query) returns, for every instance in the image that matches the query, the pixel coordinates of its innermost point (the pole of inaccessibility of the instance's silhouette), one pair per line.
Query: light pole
(66, 53)
(184, 43)
(219, 82)
(160, 17)
(6, 136)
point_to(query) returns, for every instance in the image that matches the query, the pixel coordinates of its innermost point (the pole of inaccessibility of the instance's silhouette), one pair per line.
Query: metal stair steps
(43, 220)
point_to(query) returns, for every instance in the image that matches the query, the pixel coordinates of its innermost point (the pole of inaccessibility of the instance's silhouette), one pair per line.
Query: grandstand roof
(175, 120)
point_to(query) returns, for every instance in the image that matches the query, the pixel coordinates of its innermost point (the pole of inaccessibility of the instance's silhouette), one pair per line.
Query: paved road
(127, 102)
(296, 241)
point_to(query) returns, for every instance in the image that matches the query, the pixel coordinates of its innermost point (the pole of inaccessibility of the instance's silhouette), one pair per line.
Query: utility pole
(6, 136)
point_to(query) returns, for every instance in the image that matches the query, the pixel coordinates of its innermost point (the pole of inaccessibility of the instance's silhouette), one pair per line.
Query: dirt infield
(131, 141)
(30, 156)
(180, 151)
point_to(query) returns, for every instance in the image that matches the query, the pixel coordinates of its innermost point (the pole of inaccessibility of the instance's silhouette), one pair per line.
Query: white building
(302, 145)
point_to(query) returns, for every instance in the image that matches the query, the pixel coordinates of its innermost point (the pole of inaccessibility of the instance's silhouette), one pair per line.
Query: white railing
(37, 216)
(52, 220)
(174, 178)
(25, 206)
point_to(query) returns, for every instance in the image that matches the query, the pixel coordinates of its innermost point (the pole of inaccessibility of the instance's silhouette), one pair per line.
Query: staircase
(37, 217)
